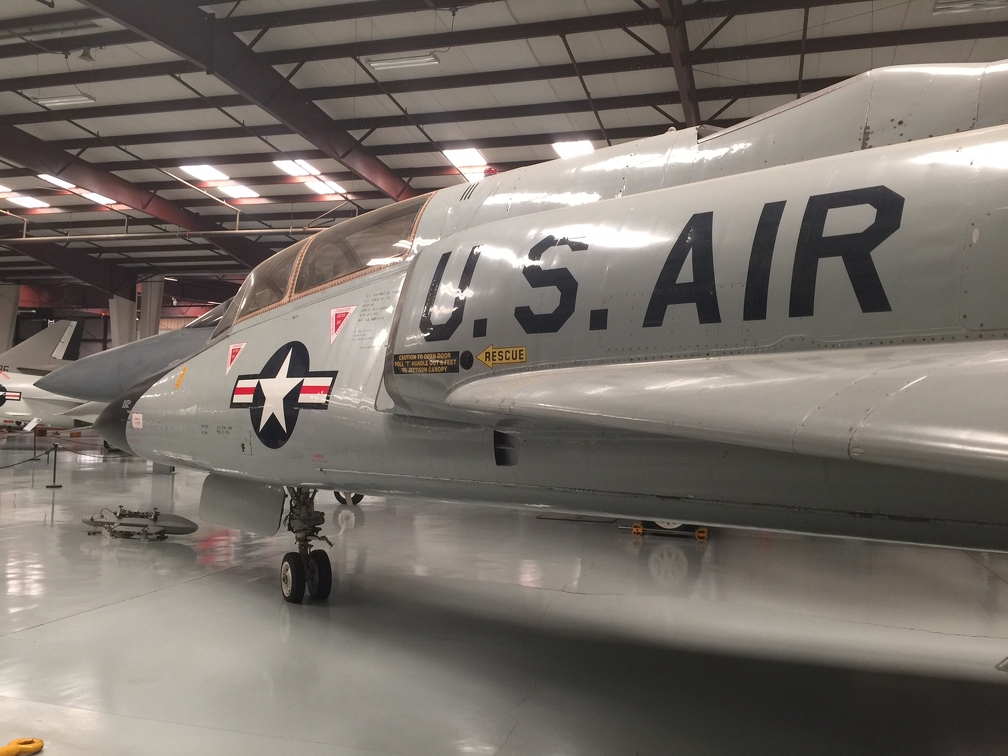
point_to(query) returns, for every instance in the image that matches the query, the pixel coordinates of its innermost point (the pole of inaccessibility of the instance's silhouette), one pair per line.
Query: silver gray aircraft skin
(797, 323)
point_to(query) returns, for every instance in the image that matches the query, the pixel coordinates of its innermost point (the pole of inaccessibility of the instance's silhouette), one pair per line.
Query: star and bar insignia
(276, 396)
(9, 396)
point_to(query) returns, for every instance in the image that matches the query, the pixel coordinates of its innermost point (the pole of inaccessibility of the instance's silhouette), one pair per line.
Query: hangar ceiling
(111, 98)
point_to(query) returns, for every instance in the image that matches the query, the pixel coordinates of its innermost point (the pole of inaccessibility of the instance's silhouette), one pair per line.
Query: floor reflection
(461, 629)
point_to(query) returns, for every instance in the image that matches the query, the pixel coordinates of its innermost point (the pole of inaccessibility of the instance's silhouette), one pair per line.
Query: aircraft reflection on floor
(460, 628)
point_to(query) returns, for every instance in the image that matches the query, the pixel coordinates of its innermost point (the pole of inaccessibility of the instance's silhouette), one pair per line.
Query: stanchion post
(55, 451)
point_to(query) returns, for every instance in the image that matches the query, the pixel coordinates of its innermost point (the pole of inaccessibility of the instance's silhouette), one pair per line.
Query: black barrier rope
(30, 459)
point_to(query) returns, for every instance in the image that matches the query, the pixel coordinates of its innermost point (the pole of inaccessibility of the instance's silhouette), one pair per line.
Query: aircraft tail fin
(47, 349)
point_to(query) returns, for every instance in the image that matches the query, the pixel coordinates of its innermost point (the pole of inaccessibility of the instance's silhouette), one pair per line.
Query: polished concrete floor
(465, 630)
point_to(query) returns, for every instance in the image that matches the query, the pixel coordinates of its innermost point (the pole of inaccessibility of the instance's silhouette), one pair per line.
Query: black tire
(355, 498)
(292, 577)
(319, 575)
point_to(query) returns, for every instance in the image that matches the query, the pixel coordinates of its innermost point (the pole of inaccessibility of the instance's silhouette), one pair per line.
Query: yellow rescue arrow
(491, 356)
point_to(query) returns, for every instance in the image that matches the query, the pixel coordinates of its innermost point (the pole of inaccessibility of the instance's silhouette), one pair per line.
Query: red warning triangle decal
(233, 351)
(337, 317)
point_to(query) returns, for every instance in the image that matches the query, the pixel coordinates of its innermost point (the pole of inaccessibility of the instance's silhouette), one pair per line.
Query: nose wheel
(305, 568)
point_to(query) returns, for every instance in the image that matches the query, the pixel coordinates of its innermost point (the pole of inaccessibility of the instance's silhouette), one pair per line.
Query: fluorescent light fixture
(98, 198)
(289, 166)
(966, 6)
(56, 181)
(62, 101)
(28, 201)
(325, 187)
(169, 278)
(4, 188)
(406, 61)
(573, 149)
(297, 167)
(466, 158)
(204, 172)
(238, 191)
(40, 29)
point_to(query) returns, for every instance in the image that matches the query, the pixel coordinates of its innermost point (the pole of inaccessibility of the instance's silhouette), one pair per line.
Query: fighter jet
(22, 404)
(797, 323)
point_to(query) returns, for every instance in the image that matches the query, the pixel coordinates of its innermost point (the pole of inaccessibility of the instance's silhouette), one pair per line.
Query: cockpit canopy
(349, 249)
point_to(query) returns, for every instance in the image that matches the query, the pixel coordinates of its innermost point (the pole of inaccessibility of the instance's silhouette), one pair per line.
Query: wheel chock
(21, 747)
(700, 534)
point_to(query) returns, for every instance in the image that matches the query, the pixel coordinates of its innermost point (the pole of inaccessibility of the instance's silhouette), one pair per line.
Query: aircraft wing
(941, 407)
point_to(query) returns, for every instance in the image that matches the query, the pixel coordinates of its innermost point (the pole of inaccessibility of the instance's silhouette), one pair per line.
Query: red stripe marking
(241, 391)
(315, 389)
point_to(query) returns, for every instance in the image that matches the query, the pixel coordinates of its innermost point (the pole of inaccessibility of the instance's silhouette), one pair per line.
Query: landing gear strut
(305, 568)
(346, 497)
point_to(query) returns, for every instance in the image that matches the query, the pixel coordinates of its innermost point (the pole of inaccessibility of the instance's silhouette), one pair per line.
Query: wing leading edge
(941, 407)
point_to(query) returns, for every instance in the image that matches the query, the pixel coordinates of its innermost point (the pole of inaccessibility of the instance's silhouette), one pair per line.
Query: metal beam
(338, 92)
(24, 25)
(675, 31)
(847, 42)
(485, 35)
(41, 157)
(63, 45)
(462, 38)
(248, 22)
(346, 12)
(926, 35)
(531, 110)
(92, 75)
(342, 12)
(93, 271)
(11, 230)
(191, 34)
(722, 8)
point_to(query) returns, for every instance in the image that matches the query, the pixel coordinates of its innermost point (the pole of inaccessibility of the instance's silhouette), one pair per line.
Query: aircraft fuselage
(346, 387)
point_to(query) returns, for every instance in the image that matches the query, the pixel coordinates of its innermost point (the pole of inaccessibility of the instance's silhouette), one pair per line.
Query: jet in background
(796, 323)
(23, 405)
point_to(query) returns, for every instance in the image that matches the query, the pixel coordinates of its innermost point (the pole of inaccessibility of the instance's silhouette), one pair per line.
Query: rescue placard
(515, 355)
(425, 363)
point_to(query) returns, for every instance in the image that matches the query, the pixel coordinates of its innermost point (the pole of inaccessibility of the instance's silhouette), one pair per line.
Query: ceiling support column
(10, 295)
(675, 30)
(122, 320)
(151, 296)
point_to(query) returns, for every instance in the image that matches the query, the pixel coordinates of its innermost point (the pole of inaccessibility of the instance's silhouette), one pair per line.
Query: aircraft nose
(111, 422)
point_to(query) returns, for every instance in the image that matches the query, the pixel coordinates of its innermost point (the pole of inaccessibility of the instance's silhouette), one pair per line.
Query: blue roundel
(276, 395)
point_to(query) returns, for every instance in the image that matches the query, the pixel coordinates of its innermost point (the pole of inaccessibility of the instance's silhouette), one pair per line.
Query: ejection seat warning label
(425, 363)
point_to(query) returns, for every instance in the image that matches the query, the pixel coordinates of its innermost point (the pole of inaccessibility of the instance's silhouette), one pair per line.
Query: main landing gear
(305, 568)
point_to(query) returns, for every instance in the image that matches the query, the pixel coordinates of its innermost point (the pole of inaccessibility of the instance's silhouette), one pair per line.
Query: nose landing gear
(305, 568)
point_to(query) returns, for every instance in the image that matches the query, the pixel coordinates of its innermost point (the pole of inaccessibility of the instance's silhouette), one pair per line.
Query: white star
(274, 391)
